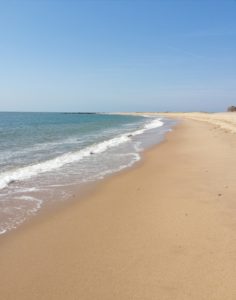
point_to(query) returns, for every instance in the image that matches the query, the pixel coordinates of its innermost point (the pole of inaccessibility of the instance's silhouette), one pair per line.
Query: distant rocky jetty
(231, 109)
(80, 113)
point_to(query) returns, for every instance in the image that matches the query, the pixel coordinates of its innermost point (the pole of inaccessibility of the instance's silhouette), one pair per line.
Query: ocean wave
(27, 172)
(48, 146)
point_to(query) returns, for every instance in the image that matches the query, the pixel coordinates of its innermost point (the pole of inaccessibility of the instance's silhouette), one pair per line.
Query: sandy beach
(165, 229)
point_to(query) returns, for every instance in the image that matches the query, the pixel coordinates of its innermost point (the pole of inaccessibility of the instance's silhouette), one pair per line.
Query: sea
(44, 156)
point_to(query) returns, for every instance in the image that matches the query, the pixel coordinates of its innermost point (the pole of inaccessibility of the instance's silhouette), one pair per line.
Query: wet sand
(165, 229)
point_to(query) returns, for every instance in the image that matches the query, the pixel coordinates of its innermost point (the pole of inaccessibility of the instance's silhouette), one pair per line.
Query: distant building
(231, 108)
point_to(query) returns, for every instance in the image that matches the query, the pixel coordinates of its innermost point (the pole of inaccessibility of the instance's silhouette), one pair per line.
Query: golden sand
(165, 229)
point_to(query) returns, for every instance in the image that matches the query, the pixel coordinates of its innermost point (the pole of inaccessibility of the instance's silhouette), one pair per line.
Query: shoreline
(81, 189)
(223, 120)
(80, 193)
(161, 229)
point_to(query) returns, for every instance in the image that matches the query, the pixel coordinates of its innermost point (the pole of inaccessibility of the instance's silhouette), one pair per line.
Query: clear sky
(116, 55)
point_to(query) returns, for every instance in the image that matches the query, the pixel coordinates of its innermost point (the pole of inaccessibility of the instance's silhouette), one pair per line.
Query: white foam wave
(36, 201)
(150, 125)
(155, 123)
(48, 146)
(32, 170)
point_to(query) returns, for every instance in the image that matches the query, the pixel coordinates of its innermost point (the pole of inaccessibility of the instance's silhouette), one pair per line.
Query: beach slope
(165, 229)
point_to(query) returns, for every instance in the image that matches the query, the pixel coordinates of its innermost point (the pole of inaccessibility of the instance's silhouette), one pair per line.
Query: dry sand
(165, 229)
(225, 121)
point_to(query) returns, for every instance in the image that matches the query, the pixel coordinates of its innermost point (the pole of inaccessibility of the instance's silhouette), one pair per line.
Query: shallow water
(42, 154)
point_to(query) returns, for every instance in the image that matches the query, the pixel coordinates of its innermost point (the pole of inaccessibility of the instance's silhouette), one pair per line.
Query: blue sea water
(43, 155)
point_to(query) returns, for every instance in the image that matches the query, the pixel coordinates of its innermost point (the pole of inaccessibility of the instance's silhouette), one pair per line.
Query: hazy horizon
(111, 56)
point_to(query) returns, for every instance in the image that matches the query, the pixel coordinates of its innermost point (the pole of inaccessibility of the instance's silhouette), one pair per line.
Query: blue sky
(116, 55)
